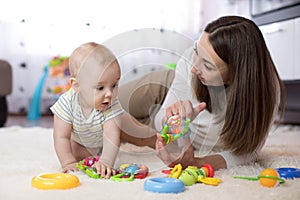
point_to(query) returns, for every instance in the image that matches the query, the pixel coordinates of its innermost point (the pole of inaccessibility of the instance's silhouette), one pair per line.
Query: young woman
(229, 75)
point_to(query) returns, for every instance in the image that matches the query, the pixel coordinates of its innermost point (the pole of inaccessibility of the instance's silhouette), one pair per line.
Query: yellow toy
(58, 181)
(192, 175)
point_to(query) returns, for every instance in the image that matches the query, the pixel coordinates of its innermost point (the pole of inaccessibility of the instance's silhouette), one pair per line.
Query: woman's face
(210, 69)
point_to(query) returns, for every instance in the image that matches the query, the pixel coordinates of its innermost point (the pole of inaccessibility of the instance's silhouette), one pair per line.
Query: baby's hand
(69, 167)
(103, 170)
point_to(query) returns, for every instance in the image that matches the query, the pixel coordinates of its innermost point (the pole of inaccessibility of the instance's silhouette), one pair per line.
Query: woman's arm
(187, 157)
(180, 88)
(135, 132)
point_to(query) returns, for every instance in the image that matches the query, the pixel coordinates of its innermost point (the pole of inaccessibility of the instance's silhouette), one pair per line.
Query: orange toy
(268, 178)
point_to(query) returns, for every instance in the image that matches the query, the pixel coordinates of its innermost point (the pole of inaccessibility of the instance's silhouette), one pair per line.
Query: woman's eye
(196, 51)
(208, 67)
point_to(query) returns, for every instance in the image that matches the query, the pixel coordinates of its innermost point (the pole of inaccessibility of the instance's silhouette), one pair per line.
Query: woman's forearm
(216, 161)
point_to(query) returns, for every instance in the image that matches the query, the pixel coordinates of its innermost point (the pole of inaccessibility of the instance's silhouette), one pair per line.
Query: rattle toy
(192, 175)
(267, 178)
(86, 166)
(164, 185)
(175, 128)
(59, 181)
(128, 172)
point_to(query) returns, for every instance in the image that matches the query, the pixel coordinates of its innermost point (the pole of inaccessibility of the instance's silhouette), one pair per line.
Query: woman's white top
(206, 127)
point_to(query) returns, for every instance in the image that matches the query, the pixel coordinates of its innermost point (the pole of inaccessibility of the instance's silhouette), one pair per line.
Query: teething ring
(59, 181)
(176, 171)
(164, 185)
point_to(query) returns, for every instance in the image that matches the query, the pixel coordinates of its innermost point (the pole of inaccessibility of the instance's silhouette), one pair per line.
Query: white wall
(212, 9)
(32, 35)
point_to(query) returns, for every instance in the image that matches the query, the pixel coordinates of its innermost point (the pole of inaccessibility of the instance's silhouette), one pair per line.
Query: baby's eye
(100, 88)
(115, 85)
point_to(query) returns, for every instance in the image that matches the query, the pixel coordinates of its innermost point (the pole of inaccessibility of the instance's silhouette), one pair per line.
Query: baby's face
(99, 85)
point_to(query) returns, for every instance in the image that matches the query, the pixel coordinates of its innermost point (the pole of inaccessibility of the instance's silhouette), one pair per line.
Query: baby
(88, 118)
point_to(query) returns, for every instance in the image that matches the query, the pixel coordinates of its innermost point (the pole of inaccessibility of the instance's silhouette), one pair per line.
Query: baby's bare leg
(80, 152)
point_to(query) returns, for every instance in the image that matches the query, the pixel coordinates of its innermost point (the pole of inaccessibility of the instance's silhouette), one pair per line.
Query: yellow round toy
(55, 181)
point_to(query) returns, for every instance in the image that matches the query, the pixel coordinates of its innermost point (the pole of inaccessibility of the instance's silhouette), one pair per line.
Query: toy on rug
(126, 172)
(192, 175)
(175, 128)
(55, 181)
(164, 185)
(178, 179)
(129, 172)
(288, 172)
(268, 178)
(86, 165)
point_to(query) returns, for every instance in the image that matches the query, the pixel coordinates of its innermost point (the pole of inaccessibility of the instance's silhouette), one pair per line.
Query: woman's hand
(185, 109)
(103, 170)
(185, 157)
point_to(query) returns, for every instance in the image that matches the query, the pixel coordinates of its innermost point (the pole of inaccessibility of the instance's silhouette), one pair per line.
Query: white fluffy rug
(27, 152)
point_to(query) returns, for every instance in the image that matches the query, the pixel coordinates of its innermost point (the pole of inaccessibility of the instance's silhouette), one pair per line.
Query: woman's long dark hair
(254, 85)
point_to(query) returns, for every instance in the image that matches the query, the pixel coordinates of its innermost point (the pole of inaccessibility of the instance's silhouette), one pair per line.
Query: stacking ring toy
(164, 185)
(56, 181)
(288, 173)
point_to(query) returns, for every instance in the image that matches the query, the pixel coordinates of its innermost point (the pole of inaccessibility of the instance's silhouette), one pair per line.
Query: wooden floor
(21, 120)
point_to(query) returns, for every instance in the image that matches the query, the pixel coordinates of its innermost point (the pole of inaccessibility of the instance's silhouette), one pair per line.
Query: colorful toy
(171, 65)
(288, 172)
(164, 185)
(126, 172)
(56, 181)
(192, 175)
(59, 89)
(57, 67)
(86, 166)
(129, 172)
(175, 128)
(268, 178)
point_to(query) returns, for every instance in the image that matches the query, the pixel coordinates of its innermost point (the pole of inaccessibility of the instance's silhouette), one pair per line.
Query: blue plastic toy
(34, 108)
(164, 185)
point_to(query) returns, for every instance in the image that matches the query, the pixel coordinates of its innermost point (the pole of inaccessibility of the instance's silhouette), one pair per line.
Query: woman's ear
(74, 84)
